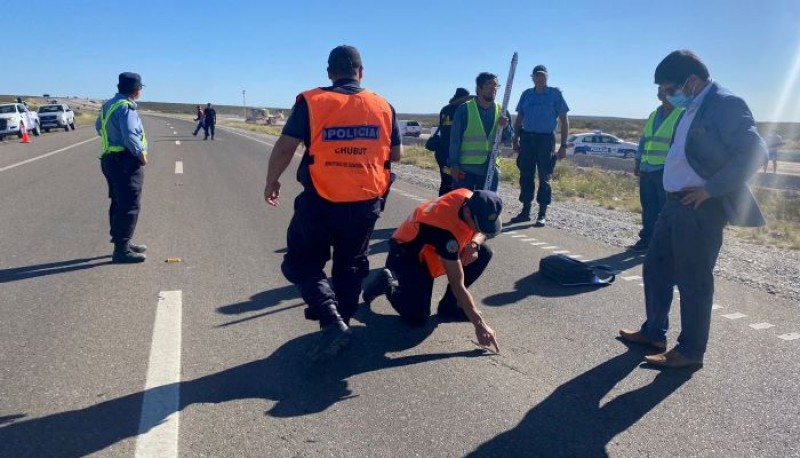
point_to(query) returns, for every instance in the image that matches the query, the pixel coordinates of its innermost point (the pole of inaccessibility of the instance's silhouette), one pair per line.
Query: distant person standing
(209, 120)
(774, 141)
(539, 110)
(122, 161)
(650, 157)
(199, 119)
(475, 125)
(445, 125)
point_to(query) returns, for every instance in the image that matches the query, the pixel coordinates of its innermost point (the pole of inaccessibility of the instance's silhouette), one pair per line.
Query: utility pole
(244, 106)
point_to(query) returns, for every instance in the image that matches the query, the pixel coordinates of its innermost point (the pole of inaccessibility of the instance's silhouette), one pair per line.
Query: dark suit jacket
(723, 147)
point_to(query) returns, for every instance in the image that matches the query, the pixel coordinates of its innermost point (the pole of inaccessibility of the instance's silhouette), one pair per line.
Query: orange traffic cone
(25, 137)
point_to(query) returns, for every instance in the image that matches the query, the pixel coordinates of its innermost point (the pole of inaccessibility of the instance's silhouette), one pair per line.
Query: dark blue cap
(129, 82)
(486, 206)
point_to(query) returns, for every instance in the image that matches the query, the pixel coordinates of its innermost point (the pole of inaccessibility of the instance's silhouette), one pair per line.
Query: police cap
(129, 82)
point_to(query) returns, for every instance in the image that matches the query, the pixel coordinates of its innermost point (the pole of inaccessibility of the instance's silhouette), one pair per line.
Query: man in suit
(716, 149)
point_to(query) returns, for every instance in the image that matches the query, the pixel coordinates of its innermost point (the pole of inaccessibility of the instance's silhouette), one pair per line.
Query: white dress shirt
(678, 174)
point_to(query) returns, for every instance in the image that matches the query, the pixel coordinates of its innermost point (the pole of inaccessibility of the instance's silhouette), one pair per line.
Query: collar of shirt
(346, 82)
(123, 96)
(698, 99)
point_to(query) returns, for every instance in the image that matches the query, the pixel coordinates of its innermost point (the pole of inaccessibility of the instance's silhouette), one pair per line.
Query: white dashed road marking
(518, 236)
(716, 307)
(760, 326)
(790, 336)
(549, 247)
(178, 167)
(734, 316)
(538, 243)
(631, 277)
(528, 240)
(159, 423)
(561, 252)
(177, 142)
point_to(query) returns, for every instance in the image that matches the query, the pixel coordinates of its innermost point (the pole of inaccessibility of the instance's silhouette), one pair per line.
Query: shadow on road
(380, 239)
(572, 422)
(51, 268)
(536, 284)
(286, 377)
(621, 262)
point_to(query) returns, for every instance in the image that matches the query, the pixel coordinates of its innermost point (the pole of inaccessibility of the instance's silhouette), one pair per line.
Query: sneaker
(379, 284)
(639, 247)
(137, 248)
(127, 257)
(521, 218)
(333, 338)
(540, 221)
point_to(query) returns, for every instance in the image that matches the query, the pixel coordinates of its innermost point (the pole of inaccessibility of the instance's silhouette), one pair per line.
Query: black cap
(129, 82)
(344, 59)
(486, 206)
(460, 92)
(539, 68)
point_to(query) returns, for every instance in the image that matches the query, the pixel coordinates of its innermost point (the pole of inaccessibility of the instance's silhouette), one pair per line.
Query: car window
(48, 109)
(572, 138)
(413, 123)
(21, 108)
(7, 109)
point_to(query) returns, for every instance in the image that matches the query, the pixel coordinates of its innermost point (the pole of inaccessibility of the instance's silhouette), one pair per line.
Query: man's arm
(396, 153)
(639, 154)
(455, 275)
(279, 160)
(563, 121)
(98, 121)
(456, 135)
(131, 130)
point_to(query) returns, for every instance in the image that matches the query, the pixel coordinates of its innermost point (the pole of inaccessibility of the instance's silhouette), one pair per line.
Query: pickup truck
(56, 115)
(409, 128)
(15, 118)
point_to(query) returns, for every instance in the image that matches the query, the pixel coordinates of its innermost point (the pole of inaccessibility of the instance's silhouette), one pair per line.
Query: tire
(21, 130)
(37, 130)
(66, 127)
(72, 125)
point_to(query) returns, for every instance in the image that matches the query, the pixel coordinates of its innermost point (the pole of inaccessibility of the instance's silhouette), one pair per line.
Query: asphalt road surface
(206, 357)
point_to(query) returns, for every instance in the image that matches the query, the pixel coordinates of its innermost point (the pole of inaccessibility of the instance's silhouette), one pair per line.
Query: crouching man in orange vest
(443, 236)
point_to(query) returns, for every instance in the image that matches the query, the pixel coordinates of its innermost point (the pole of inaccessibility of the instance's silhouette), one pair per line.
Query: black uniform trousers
(209, 126)
(412, 298)
(319, 228)
(125, 176)
(536, 152)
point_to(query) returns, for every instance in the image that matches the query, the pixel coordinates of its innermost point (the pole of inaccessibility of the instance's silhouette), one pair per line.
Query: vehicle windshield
(413, 123)
(7, 109)
(50, 109)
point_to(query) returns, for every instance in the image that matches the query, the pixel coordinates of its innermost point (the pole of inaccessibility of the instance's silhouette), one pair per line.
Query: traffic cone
(25, 137)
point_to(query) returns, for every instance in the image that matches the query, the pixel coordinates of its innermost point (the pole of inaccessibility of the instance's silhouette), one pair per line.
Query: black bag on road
(567, 271)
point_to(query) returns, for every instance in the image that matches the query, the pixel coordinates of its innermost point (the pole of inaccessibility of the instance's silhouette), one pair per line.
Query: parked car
(599, 143)
(58, 115)
(409, 128)
(16, 118)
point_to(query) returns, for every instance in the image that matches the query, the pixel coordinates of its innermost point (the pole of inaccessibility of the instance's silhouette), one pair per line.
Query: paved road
(205, 357)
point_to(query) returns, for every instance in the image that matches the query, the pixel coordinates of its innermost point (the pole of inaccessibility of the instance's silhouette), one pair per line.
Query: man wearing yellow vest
(351, 137)
(472, 135)
(442, 236)
(122, 161)
(653, 148)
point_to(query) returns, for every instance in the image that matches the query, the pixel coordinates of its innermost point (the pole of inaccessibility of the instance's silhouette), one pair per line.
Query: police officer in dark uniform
(122, 161)
(209, 121)
(350, 136)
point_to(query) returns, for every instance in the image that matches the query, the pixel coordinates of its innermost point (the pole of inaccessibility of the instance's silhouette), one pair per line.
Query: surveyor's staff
(499, 135)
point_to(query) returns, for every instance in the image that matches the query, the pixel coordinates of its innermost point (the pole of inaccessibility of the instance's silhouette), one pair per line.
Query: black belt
(536, 133)
(677, 195)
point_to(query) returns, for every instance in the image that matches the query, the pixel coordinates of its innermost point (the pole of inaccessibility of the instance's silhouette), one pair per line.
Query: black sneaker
(137, 248)
(639, 247)
(333, 338)
(540, 221)
(383, 282)
(127, 257)
(521, 218)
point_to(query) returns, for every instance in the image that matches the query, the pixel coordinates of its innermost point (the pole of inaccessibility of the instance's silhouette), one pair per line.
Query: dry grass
(269, 130)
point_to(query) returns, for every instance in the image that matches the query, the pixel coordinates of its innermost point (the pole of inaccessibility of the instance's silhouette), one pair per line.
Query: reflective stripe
(475, 144)
(656, 144)
(111, 149)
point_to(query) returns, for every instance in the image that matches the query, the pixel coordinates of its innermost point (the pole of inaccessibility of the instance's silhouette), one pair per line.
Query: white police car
(599, 143)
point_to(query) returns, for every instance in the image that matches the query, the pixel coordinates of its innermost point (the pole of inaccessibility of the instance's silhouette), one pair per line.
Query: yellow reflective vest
(656, 144)
(104, 117)
(476, 146)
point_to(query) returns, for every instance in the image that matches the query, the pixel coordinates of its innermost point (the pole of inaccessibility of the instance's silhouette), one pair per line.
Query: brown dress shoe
(672, 360)
(637, 337)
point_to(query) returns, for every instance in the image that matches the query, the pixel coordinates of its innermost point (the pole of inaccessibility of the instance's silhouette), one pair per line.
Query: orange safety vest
(350, 143)
(444, 214)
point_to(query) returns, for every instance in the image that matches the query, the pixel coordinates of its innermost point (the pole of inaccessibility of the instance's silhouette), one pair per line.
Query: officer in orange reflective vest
(350, 136)
(443, 236)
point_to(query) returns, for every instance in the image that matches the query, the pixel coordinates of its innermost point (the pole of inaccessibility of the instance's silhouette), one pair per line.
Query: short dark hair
(484, 77)
(678, 65)
(344, 61)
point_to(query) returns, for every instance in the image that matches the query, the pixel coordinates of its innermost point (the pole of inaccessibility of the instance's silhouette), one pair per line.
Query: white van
(409, 128)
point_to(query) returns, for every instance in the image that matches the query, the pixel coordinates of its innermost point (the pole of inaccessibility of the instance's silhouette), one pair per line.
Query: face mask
(679, 99)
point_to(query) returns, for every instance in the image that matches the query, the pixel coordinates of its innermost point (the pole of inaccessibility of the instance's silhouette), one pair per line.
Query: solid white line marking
(177, 142)
(561, 252)
(178, 167)
(716, 307)
(790, 336)
(631, 277)
(760, 326)
(549, 247)
(734, 316)
(298, 154)
(158, 427)
(528, 240)
(26, 161)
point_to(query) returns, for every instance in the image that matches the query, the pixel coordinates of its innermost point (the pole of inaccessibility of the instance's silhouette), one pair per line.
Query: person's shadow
(261, 301)
(622, 261)
(536, 284)
(286, 377)
(380, 240)
(571, 422)
(51, 268)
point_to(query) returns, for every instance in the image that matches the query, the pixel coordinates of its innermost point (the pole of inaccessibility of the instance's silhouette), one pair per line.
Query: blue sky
(601, 54)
